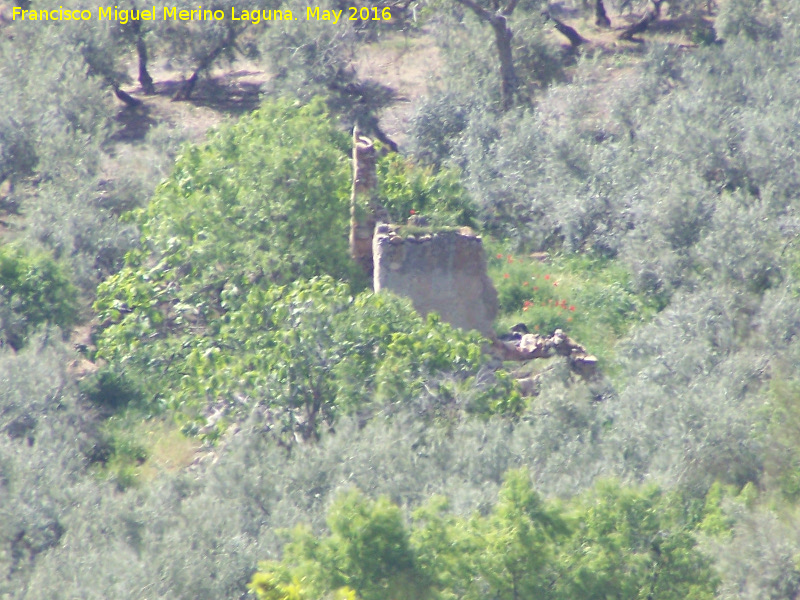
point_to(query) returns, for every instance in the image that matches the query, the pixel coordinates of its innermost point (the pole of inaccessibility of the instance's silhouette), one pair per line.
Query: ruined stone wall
(365, 210)
(443, 272)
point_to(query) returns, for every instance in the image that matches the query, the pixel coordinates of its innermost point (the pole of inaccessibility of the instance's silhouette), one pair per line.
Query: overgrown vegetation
(613, 542)
(236, 415)
(238, 299)
(591, 298)
(34, 290)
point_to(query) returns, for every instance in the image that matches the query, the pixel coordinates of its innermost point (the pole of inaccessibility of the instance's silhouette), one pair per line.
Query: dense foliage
(236, 297)
(612, 543)
(245, 420)
(34, 290)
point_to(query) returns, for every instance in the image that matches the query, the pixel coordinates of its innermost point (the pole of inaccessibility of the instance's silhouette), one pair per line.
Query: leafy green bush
(613, 542)
(268, 200)
(34, 290)
(367, 552)
(267, 197)
(406, 189)
(308, 351)
(110, 389)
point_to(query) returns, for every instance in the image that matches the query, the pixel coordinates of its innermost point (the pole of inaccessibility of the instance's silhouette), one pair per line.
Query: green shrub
(309, 351)
(111, 389)
(406, 189)
(34, 290)
(613, 541)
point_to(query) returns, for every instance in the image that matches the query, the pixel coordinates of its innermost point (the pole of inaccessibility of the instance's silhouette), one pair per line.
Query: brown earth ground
(410, 65)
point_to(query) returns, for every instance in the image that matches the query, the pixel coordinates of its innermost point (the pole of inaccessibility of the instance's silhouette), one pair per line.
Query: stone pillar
(364, 207)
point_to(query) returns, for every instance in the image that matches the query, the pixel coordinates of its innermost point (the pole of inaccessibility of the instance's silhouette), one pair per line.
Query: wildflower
(499, 256)
(510, 258)
(547, 276)
(555, 284)
(525, 308)
(506, 276)
(524, 284)
(413, 212)
(572, 308)
(536, 288)
(569, 319)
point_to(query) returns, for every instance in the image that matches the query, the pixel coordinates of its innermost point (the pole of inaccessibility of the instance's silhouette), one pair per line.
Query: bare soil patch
(218, 97)
(410, 67)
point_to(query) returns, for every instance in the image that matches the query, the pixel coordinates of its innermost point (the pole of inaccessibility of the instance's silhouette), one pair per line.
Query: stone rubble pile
(532, 345)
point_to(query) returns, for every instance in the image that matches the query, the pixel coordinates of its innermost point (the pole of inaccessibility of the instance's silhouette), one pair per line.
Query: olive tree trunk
(502, 35)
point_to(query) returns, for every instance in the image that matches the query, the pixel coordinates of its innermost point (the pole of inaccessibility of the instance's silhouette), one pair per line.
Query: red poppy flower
(499, 256)
(413, 212)
(506, 276)
(547, 276)
(572, 308)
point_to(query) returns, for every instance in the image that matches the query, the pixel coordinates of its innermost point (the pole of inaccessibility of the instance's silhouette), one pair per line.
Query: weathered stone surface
(583, 364)
(365, 210)
(534, 346)
(443, 273)
(529, 346)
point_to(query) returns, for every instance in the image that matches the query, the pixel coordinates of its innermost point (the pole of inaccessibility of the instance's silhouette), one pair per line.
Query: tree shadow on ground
(230, 93)
(134, 123)
(233, 93)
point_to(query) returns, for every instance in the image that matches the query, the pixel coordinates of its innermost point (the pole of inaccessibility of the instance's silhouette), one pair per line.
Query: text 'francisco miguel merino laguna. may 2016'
(173, 13)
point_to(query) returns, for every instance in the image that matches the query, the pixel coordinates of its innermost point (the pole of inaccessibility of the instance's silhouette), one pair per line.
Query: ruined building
(442, 271)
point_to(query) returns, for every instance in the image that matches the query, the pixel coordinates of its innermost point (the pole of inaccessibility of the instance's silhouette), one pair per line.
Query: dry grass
(168, 449)
(171, 450)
